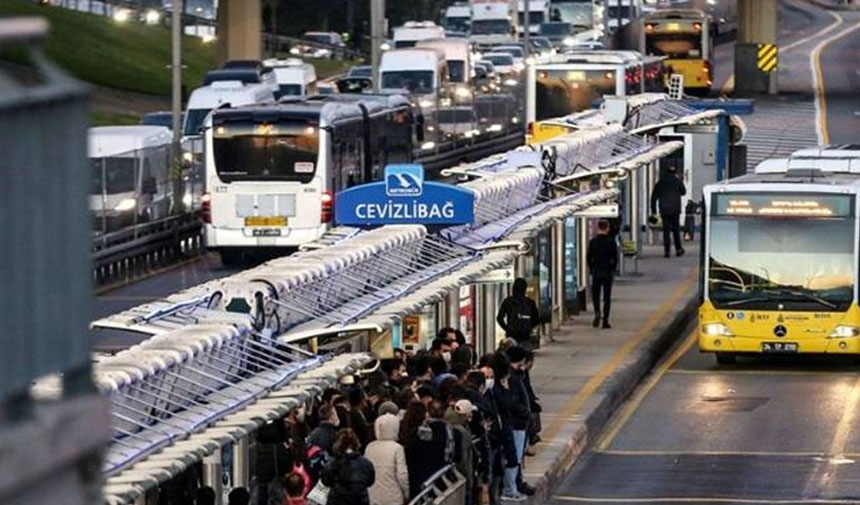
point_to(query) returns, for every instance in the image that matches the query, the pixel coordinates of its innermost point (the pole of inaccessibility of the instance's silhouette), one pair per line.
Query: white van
(458, 57)
(130, 171)
(293, 76)
(219, 94)
(412, 31)
(421, 71)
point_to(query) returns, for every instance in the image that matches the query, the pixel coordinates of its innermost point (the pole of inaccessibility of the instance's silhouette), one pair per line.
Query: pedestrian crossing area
(779, 126)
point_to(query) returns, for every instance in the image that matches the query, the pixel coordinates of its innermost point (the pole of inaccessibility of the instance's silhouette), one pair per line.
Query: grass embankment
(124, 56)
(128, 56)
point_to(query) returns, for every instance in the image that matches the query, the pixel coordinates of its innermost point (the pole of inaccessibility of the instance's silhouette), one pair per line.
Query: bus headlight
(844, 331)
(126, 204)
(716, 330)
(463, 92)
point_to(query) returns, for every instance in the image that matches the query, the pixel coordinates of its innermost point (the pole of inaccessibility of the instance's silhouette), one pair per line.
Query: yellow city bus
(780, 259)
(684, 38)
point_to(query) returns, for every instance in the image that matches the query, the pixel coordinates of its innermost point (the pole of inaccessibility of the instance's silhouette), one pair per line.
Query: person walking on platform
(602, 259)
(518, 314)
(668, 193)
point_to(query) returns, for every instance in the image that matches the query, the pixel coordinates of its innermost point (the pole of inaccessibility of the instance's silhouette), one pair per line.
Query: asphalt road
(840, 68)
(762, 431)
(766, 430)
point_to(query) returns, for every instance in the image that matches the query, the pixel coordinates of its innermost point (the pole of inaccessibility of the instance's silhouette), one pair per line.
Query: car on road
(320, 45)
(502, 62)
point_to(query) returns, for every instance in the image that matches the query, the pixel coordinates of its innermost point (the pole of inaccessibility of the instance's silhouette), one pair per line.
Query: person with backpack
(518, 314)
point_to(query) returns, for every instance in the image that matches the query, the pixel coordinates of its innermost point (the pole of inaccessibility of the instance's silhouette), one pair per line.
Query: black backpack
(520, 318)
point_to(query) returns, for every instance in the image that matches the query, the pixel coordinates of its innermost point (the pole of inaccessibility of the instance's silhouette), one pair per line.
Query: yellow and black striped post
(768, 58)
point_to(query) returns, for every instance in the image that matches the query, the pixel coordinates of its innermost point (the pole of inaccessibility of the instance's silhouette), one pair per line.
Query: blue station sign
(404, 197)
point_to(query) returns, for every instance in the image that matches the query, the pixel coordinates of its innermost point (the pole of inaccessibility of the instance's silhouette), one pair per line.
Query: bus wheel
(726, 358)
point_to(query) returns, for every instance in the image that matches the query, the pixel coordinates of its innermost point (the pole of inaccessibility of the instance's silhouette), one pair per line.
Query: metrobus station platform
(584, 374)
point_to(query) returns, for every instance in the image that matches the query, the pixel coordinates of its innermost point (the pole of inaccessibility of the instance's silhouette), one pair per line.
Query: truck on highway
(458, 17)
(538, 14)
(413, 31)
(493, 21)
(221, 94)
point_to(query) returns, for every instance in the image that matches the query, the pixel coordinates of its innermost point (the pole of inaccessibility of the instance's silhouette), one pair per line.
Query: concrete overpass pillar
(757, 21)
(240, 28)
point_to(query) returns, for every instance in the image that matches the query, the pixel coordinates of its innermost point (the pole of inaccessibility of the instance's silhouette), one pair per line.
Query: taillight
(206, 208)
(327, 207)
(530, 130)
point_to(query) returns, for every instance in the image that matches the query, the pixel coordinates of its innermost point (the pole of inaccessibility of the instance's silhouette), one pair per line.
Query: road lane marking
(695, 499)
(818, 82)
(729, 85)
(632, 406)
(578, 400)
(712, 453)
(843, 429)
(762, 372)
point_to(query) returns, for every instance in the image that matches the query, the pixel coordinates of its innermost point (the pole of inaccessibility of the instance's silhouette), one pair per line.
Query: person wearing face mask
(668, 193)
(441, 346)
(323, 436)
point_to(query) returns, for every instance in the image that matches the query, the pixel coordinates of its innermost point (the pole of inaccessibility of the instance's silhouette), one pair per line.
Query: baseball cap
(464, 407)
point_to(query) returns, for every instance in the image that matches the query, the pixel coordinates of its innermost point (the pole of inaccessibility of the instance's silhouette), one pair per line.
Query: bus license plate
(266, 232)
(265, 221)
(779, 347)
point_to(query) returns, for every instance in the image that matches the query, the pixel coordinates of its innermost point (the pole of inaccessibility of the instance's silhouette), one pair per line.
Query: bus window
(560, 92)
(282, 151)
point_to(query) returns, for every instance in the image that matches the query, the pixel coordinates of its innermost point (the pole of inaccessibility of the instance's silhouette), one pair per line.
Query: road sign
(404, 197)
(768, 57)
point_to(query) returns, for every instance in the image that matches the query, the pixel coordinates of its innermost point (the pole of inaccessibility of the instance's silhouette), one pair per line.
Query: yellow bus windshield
(760, 260)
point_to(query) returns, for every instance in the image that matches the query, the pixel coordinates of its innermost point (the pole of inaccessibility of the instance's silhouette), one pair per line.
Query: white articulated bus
(272, 171)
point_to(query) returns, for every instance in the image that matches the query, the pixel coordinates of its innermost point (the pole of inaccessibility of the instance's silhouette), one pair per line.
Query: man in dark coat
(668, 193)
(324, 435)
(602, 258)
(518, 314)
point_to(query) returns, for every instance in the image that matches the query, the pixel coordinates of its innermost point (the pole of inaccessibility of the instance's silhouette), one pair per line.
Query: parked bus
(272, 170)
(684, 38)
(578, 80)
(780, 258)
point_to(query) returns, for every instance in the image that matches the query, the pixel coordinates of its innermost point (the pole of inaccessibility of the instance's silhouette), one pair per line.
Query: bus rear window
(674, 45)
(560, 92)
(249, 151)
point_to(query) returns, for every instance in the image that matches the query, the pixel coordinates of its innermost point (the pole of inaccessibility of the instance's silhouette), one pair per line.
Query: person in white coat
(389, 461)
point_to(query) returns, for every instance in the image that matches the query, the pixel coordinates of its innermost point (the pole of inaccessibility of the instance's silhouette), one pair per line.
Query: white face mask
(489, 383)
(446, 356)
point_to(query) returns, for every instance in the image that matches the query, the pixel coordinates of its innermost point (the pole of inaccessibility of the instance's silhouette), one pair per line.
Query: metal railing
(445, 487)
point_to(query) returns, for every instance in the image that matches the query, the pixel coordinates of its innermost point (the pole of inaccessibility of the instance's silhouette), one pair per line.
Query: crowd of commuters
(377, 438)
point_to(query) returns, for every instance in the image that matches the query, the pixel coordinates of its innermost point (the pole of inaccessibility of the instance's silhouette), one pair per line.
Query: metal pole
(176, 96)
(526, 23)
(377, 38)
(176, 67)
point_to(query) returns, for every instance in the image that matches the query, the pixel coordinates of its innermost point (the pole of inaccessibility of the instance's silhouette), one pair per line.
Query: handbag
(319, 494)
